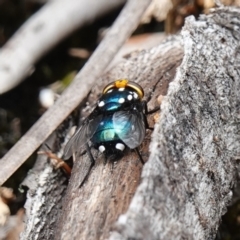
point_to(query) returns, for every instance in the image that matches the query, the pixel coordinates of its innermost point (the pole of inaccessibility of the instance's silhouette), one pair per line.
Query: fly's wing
(130, 127)
(81, 136)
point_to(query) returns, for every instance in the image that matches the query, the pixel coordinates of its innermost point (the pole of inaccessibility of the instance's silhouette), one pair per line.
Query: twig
(72, 96)
(52, 23)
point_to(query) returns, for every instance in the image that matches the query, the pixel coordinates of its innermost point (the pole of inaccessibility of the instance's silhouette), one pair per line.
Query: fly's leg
(92, 163)
(105, 159)
(153, 110)
(90, 154)
(146, 112)
(149, 96)
(139, 155)
(148, 99)
(145, 108)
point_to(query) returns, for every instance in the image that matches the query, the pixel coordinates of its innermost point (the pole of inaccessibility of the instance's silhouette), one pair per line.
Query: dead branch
(51, 24)
(75, 93)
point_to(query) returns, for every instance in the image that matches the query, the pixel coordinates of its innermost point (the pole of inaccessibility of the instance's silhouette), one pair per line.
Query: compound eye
(108, 87)
(137, 88)
(123, 83)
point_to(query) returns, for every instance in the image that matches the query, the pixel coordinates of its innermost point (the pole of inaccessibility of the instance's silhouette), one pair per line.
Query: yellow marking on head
(123, 83)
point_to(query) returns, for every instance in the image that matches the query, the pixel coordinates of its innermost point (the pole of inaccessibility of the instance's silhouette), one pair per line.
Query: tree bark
(186, 184)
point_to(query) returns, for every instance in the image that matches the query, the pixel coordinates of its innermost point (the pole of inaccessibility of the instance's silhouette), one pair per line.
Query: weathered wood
(90, 211)
(109, 188)
(46, 188)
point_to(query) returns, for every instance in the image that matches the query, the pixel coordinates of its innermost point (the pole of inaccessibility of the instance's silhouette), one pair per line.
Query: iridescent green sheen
(106, 132)
(111, 99)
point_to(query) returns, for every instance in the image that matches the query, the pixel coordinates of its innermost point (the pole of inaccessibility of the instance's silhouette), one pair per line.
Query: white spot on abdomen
(101, 148)
(120, 146)
(101, 104)
(121, 100)
(135, 95)
(129, 97)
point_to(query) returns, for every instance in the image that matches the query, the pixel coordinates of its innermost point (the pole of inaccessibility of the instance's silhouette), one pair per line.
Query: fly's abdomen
(106, 135)
(105, 132)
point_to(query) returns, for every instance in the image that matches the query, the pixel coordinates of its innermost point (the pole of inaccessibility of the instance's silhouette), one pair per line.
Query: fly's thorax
(118, 99)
